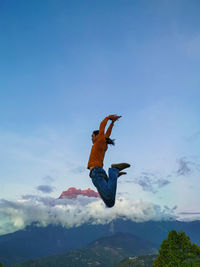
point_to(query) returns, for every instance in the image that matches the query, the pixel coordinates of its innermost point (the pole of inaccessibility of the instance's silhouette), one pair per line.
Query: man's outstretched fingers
(115, 117)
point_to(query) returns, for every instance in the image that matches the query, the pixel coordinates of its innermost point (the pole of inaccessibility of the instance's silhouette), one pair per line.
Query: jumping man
(106, 185)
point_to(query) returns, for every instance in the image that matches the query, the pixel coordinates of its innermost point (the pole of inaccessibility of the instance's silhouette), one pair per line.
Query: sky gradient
(65, 65)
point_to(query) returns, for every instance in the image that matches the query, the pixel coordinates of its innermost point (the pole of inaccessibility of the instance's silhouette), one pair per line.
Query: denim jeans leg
(112, 183)
(99, 178)
(107, 190)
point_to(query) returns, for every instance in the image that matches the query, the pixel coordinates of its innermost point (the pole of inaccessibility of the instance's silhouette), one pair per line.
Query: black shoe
(120, 166)
(121, 173)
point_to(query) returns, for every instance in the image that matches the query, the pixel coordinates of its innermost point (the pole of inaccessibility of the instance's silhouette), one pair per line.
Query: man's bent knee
(110, 204)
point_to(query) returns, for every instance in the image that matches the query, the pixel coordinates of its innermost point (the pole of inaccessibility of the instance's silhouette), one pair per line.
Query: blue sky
(65, 65)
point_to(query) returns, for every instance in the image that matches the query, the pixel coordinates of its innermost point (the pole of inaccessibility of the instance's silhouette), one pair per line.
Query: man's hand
(114, 117)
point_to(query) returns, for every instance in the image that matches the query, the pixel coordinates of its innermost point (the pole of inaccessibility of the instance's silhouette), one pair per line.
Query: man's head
(95, 136)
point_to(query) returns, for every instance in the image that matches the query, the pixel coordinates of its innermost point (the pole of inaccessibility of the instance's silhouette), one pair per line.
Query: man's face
(94, 138)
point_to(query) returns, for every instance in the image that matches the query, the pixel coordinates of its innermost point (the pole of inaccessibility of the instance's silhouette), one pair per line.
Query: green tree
(177, 251)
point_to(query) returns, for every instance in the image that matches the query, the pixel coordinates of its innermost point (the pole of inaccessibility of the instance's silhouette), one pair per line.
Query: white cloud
(149, 182)
(17, 215)
(45, 188)
(187, 166)
(189, 216)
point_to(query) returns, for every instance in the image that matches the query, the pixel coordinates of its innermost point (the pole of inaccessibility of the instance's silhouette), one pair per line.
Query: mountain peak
(73, 192)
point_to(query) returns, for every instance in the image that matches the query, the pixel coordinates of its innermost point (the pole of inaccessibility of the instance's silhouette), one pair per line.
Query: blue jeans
(106, 185)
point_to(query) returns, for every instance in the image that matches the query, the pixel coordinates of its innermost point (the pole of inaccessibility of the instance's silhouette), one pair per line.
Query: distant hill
(141, 261)
(36, 242)
(132, 244)
(103, 252)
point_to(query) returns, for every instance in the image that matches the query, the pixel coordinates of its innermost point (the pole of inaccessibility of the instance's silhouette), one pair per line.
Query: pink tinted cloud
(73, 192)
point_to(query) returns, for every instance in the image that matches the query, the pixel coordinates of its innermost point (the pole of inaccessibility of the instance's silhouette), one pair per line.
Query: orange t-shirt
(100, 146)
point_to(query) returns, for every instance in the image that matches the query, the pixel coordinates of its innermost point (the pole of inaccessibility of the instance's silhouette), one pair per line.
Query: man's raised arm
(113, 118)
(103, 125)
(109, 130)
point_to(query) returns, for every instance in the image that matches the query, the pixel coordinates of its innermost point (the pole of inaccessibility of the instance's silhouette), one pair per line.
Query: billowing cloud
(45, 188)
(73, 192)
(162, 182)
(149, 182)
(15, 215)
(184, 167)
(187, 166)
(189, 213)
(189, 216)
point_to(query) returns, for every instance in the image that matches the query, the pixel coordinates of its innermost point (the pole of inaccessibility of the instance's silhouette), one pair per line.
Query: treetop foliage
(177, 250)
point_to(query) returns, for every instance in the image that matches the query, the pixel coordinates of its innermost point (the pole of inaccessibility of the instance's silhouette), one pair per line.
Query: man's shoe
(121, 166)
(121, 173)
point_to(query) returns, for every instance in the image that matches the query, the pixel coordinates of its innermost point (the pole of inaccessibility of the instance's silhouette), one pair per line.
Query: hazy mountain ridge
(36, 242)
(106, 251)
(130, 243)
